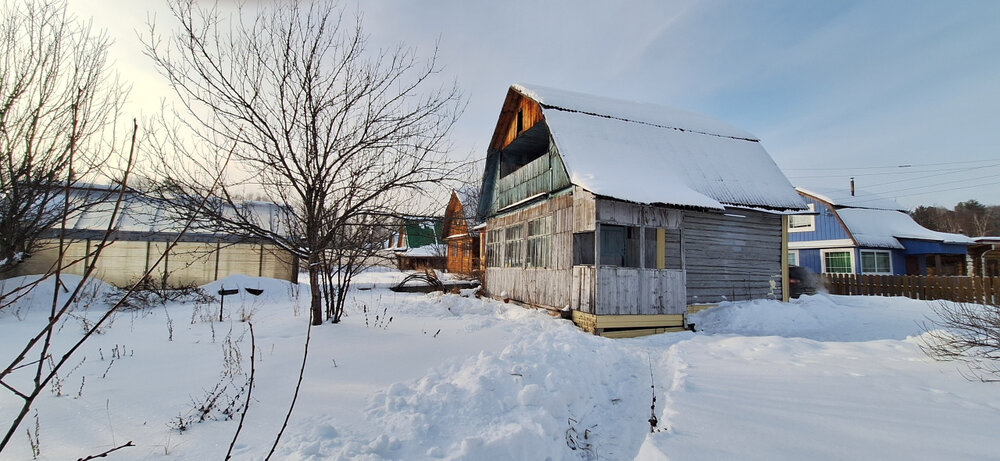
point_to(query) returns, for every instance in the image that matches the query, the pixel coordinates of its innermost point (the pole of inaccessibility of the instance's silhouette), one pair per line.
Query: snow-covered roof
(653, 154)
(434, 250)
(860, 199)
(881, 228)
(95, 208)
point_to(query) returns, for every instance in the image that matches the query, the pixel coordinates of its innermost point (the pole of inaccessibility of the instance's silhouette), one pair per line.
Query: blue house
(868, 234)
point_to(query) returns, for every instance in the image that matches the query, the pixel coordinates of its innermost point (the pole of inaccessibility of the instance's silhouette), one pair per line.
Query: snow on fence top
(882, 228)
(653, 154)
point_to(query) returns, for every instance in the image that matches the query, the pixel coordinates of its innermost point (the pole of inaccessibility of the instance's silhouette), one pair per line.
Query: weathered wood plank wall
(548, 287)
(732, 256)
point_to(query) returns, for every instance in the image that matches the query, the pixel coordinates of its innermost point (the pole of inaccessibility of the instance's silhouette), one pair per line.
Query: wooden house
(419, 244)
(624, 214)
(143, 229)
(461, 236)
(864, 233)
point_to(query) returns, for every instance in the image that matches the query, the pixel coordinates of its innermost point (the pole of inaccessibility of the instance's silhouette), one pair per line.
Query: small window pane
(838, 262)
(583, 248)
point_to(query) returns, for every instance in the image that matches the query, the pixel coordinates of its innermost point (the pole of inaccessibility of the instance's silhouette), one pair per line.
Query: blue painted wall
(923, 247)
(828, 227)
(810, 260)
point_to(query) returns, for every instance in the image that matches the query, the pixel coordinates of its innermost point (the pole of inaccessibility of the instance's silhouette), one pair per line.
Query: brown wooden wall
(506, 130)
(463, 255)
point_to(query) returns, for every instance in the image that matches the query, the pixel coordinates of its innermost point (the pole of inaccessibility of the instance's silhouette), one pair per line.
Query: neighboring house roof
(652, 154)
(860, 199)
(434, 250)
(422, 231)
(143, 217)
(882, 228)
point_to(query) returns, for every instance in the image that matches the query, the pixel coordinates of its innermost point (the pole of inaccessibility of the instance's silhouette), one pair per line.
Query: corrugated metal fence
(980, 290)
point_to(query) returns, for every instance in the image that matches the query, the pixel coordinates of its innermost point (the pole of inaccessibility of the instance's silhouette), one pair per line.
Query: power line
(896, 173)
(908, 165)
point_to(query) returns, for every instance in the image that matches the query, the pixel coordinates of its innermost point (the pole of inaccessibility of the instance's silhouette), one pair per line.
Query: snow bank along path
(446, 377)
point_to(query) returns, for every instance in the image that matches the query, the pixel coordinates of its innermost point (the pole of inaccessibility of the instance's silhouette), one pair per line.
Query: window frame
(797, 257)
(811, 226)
(538, 243)
(494, 247)
(513, 246)
(824, 252)
(888, 255)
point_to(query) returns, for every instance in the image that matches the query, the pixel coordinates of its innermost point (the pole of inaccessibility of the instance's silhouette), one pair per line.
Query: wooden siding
(584, 210)
(633, 291)
(631, 214)
(548, 287)
(454, 222)
(463, 255)
(732, 258)
(506, 129)
(828, 224)
(528, 181)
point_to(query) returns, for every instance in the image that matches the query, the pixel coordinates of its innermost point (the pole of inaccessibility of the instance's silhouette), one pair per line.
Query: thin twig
(106, 453)
(246, 405)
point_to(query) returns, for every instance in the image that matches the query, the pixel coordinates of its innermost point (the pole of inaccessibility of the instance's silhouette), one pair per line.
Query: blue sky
(834, 89)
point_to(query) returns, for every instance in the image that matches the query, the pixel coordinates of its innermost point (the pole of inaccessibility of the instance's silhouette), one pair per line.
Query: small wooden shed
(624, 214)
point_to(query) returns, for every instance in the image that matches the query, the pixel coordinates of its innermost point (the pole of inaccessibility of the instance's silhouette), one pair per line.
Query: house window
(520, 121)
(512, 248)
(620, 246)
(539, 242)
(793, 257)
(583, 249)
(876, 262)
(838, 261)
(803, 223)
(662, 248)
(494, 240)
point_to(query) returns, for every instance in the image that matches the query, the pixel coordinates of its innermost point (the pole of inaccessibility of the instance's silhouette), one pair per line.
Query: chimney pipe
(852, 186)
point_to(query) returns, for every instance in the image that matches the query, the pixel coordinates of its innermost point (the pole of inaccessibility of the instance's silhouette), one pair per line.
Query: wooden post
(785, 295)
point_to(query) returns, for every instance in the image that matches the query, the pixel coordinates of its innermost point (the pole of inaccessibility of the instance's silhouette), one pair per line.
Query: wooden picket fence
(979, 290)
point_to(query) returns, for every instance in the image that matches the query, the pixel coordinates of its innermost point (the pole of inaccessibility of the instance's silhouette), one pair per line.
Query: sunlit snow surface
(824, 377)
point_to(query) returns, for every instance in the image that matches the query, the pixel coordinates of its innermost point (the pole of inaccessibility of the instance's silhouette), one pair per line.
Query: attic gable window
(520, 122)
(803, 223)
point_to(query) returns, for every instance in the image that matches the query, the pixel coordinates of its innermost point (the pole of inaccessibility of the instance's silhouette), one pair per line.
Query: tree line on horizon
(970, 218)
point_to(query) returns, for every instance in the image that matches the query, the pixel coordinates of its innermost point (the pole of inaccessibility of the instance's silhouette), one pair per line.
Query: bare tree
(58, 104)
(340, 137)
(968, 333)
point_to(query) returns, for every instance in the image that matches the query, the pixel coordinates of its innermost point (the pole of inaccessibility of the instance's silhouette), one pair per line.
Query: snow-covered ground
(414, 376)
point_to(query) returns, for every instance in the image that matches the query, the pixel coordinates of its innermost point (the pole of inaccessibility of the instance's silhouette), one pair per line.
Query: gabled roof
(882, 228)
(860, 199)
(422, 231)
(652, 154)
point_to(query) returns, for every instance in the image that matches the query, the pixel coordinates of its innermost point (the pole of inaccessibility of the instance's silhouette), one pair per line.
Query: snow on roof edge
(632, 111)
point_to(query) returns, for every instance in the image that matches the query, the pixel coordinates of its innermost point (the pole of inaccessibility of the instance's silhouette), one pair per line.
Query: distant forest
(970, 218)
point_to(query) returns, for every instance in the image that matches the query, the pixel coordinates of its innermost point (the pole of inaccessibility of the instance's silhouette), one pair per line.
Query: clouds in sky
(824, 84)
